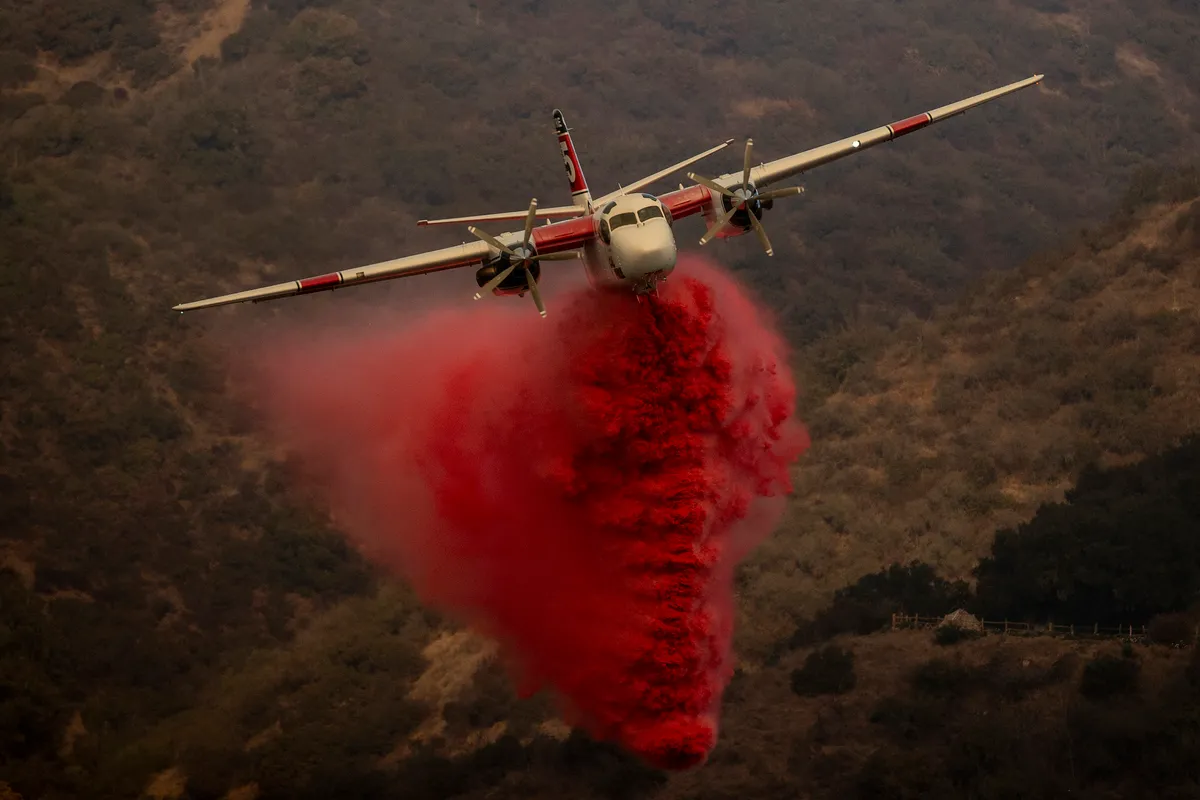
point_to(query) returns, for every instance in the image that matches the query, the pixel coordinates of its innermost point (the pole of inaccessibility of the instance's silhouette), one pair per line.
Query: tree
(1120, 548)
(869, 604)
(829, 670)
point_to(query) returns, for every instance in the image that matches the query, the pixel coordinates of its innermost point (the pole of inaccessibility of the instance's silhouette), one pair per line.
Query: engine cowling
(742, 204)
(740, 223)
(516, 283)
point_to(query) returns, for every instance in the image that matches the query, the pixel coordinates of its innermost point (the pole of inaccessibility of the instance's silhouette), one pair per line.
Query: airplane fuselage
(628, 242)
(635, 245)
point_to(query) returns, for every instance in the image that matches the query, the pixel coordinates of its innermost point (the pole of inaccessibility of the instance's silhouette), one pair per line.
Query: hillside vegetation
(929, 438)
(177, 621)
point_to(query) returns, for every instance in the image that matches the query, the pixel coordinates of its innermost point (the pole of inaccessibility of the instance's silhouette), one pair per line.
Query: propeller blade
(537, 295)
(746, 167)
(717, 226)
(713, 185)
(487, 237)
(762, 234)
(529, 220)
(496, 281)
(777, 193)
(569, 256)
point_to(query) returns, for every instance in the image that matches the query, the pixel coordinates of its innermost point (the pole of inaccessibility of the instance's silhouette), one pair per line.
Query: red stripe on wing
(320, 282)
(566, 235)
(909, 125)
(685, 202)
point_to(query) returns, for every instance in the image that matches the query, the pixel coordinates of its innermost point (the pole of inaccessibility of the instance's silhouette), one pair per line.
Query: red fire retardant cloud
(580, 487)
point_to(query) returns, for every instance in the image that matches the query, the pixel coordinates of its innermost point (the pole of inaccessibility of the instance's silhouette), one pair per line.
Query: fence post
(1006, 628)
(1072, 628)
(1050, 627)
(1096, 629)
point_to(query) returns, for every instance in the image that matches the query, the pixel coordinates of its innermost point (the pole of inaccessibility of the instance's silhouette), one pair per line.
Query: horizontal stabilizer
(554, 212)
(638, 185)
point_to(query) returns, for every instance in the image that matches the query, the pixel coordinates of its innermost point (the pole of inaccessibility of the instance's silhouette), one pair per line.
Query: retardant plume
(580, 487)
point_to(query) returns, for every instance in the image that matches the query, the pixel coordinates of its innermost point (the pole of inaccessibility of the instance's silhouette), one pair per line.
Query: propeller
(743, 198)
(523, 259)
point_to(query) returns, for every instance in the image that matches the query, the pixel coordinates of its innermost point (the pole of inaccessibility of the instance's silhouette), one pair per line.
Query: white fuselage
(635, 245)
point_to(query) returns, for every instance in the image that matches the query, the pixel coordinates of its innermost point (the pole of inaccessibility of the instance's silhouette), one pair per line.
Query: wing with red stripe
(554, 238)
(567, 235)
(773, 171)
(434, 261)
(685, 202)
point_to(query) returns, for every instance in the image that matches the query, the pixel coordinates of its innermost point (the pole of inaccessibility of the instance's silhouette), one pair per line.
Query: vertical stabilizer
(580, 196)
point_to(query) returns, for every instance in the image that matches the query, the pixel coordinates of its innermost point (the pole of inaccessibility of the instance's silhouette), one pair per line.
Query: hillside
(172, 608)
(377, 693)
(929, 438)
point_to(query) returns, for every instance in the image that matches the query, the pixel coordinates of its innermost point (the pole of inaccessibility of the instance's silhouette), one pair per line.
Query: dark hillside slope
(376, 683)
(928, 439)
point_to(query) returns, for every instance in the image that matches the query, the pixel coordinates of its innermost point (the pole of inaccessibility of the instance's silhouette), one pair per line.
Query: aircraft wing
(556, 237)
(773, 171)
(434, 261)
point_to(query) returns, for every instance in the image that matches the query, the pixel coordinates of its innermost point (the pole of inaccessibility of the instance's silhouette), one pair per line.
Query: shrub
(907, 718)
(324, 34)
(250, 38)
(939, 676)
(1108, 676)
(1171, 629)
(15, 69)
(829, 670)
(953, 634)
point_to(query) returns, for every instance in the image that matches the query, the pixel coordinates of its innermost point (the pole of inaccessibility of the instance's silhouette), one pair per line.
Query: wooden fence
(1133, 633)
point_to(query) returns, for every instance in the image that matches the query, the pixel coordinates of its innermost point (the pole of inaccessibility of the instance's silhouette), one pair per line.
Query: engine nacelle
(741, 218)
(516, 283)
(739, 223)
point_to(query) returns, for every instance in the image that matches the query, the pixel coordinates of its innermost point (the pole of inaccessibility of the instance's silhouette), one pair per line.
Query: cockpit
(633, 217)
(637, 231)
(610, 221)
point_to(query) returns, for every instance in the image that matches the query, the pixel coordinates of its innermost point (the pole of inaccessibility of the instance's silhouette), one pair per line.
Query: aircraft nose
(641, 255)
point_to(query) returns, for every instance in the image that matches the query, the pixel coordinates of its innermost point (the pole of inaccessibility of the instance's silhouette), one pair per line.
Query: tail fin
(580, 196)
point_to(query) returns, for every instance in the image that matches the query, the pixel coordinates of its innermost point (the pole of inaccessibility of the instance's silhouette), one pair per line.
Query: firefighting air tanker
(625, 238)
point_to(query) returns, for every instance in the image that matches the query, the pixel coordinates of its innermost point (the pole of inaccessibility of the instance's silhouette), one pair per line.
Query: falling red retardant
(580, 488)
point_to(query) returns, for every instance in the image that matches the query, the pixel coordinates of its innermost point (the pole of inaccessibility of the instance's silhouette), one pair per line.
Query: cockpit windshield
(621, 220)
(649, 212)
